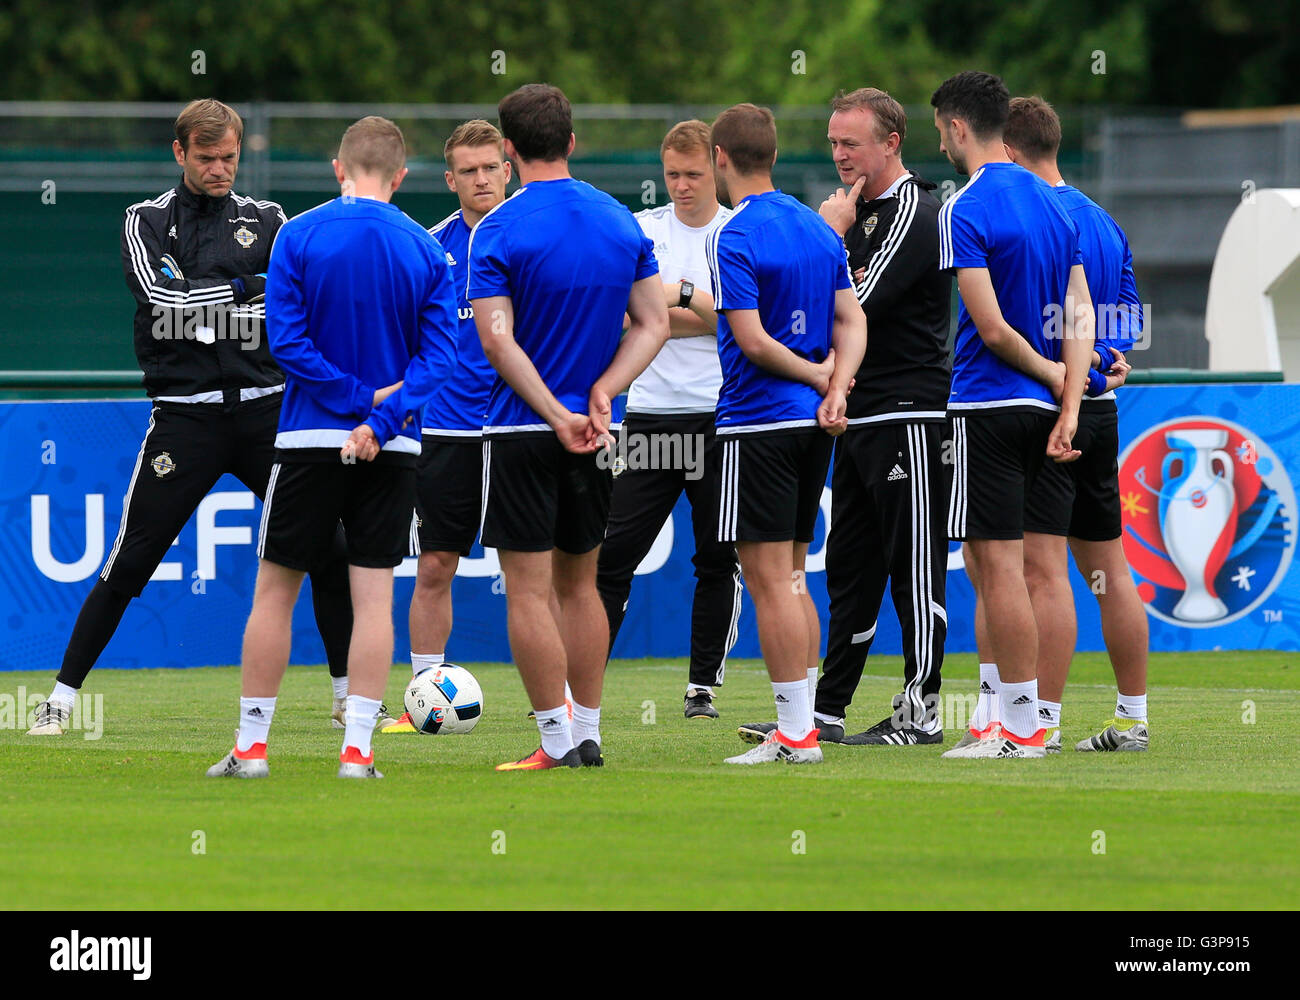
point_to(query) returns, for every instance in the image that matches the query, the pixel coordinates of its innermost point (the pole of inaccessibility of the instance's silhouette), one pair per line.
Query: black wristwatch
(688, 289)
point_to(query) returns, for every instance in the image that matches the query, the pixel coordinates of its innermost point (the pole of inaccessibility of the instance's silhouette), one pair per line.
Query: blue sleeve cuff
(376, 423)
(1096, 383)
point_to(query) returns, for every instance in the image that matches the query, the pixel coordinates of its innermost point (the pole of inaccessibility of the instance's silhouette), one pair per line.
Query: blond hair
(686, 137)
(475, 132)
(373, 145)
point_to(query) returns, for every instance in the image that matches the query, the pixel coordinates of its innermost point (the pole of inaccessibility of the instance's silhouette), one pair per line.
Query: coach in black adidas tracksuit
(195, 259)
(890, 484)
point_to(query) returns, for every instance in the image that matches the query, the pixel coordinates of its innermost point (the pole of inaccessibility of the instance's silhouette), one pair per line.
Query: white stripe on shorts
(957, 498)
(729, 504)
(266, 510)
(487, 478)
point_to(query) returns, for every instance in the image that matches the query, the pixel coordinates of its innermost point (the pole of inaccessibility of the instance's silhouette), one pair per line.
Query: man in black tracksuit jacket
(195, 259)
(889, 482)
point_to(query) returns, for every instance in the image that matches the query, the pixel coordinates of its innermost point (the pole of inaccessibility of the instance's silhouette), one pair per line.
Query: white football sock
(986, 709)
(698, 689)
(812, 689)
(421, 661)
(1019, 709)
(1127, 706)
(1049, 714)
(820, 720)
(63, 695)
(359, 723)
(557, 734)
(255, 716)
(793, 713)
(586, 724)
(340, 687)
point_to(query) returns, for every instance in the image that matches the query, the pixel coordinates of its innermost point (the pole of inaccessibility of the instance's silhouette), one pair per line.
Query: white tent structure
(1252, 317)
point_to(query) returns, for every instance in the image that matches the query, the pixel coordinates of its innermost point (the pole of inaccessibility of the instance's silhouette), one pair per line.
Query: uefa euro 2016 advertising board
(1206, 487)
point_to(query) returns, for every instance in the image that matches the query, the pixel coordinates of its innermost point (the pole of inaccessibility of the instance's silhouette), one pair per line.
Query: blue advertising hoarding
(1206, 477)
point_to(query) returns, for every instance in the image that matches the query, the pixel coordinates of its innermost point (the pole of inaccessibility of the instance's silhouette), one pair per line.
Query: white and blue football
(444, 699)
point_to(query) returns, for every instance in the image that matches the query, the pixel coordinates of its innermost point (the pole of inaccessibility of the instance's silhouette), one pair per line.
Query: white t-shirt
(685, 375)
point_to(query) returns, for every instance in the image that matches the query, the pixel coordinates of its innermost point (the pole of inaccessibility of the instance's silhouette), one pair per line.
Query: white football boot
(778, 747)
(51, 719)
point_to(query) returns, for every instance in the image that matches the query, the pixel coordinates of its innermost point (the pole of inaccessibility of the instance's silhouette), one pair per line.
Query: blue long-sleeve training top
(358, 296)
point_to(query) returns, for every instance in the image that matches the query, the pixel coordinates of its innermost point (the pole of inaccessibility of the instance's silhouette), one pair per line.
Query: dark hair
(1033, 128)
(747, 134)
(538, 121)
(888, 114)
(981, 100)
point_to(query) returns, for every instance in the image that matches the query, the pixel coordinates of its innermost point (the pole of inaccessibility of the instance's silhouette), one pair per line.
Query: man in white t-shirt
(667, 441)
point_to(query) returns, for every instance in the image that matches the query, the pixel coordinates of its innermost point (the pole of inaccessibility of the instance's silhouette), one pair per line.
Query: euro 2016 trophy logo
(1209, 520)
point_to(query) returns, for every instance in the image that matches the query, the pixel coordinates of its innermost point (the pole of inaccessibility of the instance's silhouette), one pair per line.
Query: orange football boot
(540, 760)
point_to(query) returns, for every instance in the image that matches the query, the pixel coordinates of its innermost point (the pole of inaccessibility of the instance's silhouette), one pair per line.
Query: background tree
(1173, 53)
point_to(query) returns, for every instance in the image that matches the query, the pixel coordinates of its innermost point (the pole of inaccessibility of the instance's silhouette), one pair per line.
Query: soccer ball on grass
(444, 699)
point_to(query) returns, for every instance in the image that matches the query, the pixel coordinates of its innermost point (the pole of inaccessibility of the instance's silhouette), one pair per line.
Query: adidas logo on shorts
(896, 473)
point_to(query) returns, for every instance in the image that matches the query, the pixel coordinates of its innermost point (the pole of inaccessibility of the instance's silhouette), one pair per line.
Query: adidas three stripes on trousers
(888, 525)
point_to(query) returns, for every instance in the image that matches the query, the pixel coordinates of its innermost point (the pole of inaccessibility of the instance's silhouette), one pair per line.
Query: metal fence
(1171, 186)
(106, 147)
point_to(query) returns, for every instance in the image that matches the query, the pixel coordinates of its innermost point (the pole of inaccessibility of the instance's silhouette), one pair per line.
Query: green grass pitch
(1206, 819)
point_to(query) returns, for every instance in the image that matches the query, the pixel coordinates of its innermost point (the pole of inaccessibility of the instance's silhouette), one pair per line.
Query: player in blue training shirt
(790, 337)
(1080, 500)
(1024, 341)
(449, 491)
(551, 272)
(361, 315)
